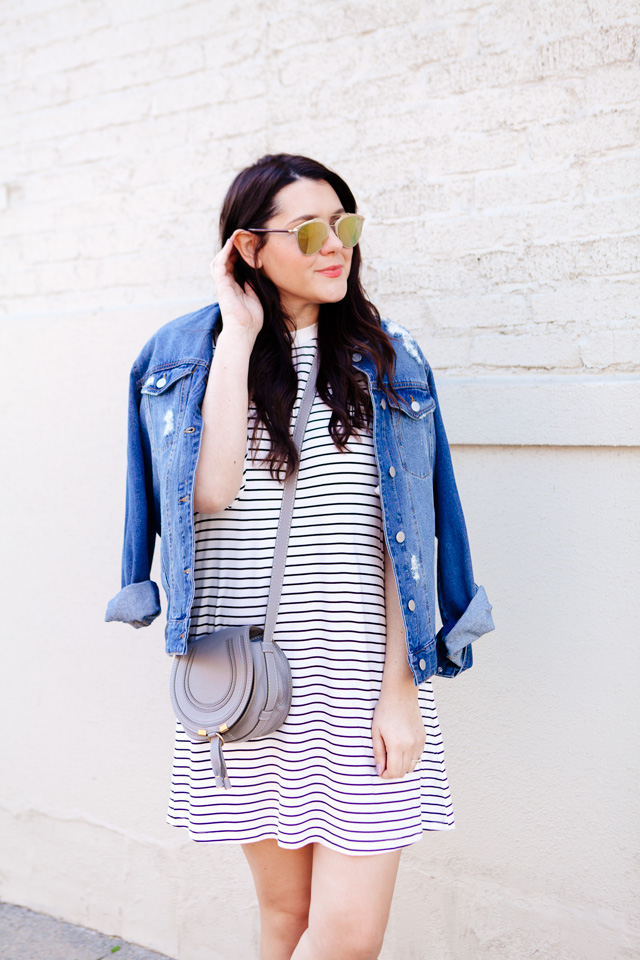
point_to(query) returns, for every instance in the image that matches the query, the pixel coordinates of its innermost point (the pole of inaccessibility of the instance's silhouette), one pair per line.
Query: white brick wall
(494, 148)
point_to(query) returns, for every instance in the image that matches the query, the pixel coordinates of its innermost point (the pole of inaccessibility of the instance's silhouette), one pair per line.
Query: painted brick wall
(494, 148)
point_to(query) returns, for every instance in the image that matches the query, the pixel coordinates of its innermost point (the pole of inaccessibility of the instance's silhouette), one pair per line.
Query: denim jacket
(420, 502)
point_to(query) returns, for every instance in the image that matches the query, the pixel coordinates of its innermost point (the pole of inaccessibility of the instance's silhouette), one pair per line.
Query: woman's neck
(302, 315)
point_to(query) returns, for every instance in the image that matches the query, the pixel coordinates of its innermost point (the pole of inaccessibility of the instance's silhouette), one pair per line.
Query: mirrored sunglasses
(312, 233)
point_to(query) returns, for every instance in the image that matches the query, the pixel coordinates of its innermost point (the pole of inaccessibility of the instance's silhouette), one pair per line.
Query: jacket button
(383, 403)
(423, 664)
(357, 357)
(400, 536)
(412, 606)
(415, 405)
(392, 471)
(161, 382)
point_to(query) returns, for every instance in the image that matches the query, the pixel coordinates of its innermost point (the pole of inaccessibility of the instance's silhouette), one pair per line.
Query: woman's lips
(331, 271)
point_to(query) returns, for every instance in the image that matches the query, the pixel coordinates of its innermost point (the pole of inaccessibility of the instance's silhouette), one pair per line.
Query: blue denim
(420, 502)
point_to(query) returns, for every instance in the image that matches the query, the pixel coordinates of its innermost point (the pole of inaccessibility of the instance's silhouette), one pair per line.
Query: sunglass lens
(349, 230)
(311, 236)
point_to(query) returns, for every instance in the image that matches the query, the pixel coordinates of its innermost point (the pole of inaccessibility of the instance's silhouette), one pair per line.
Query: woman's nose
(332, 243)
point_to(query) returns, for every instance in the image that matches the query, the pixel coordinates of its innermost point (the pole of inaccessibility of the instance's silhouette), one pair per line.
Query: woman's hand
(241, 309)
(397, 731)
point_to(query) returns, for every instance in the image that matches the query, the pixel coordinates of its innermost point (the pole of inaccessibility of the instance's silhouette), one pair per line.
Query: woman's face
(305, 281)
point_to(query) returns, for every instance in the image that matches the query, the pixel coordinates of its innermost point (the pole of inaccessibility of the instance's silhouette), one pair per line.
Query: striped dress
(314, 779)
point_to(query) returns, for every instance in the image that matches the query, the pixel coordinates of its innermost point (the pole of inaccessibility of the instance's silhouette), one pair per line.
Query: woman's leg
(283, 883)
(350, 903)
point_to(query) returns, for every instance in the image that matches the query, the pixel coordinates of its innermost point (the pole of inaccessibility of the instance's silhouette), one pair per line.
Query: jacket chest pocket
(164, 394)
(413, 428)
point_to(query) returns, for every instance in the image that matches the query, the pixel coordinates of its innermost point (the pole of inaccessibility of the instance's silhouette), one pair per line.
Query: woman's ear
(246, 243)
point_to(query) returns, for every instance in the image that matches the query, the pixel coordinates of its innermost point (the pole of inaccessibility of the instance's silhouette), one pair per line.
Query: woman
(324, 806)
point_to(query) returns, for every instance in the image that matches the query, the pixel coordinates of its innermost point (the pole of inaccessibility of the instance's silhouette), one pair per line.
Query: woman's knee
(283, 920)
(347, 937)
(287, 922)
(283, 884)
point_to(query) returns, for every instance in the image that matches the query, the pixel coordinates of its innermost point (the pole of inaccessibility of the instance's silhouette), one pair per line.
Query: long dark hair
(352, 324)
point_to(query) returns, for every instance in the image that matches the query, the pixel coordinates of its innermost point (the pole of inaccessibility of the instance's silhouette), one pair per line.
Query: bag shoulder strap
(288, 497)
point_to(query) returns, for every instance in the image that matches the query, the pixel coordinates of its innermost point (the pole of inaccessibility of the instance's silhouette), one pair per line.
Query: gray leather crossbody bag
(235, 683)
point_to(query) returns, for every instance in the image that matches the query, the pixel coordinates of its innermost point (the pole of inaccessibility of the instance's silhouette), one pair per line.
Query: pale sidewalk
(26, 935)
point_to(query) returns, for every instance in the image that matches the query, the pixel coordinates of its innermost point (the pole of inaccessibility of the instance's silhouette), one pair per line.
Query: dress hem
(313, 839)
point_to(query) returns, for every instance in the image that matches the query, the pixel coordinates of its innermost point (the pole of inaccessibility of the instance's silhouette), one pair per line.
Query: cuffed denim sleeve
(475, 621)
(138, 602)
(465, 610)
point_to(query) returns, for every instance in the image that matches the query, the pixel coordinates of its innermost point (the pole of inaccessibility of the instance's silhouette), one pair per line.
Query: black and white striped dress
(314, 779)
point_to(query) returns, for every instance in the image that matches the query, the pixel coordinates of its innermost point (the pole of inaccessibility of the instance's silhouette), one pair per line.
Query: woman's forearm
(397, 673)
(224, 422)
(397, 730)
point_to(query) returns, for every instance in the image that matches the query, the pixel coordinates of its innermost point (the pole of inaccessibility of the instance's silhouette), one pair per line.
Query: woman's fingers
(397, 764)
(402, 759)
(379, 751)
(250, 293)
(222, 264)
(240, 305)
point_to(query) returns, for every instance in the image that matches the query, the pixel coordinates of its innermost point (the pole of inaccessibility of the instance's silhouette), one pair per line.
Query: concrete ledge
(541, 410)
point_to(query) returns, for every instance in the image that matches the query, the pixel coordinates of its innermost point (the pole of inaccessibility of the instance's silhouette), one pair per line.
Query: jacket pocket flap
(160, 380)
(415, 400)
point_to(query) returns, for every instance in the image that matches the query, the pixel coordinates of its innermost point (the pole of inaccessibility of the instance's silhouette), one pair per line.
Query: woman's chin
(334, 293)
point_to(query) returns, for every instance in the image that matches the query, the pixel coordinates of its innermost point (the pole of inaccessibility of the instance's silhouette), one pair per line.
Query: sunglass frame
(330, 226)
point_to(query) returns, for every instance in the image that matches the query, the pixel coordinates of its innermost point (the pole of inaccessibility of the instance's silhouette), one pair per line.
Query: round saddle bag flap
(211, 683)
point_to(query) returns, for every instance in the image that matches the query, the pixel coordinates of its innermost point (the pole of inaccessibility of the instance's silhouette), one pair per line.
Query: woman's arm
(224, 423)
(397, 730)
(225, 405)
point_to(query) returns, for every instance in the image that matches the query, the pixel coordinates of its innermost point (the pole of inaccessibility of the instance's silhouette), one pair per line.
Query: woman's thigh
(346, 899)
(282, 878)
(350, 901)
